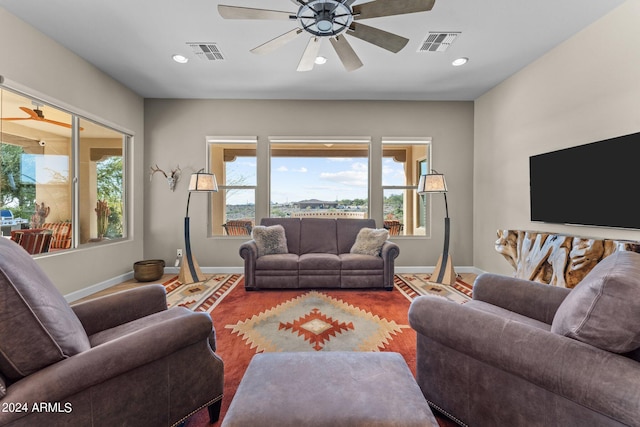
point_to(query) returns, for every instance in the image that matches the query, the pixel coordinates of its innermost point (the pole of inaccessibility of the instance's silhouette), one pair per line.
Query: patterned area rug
(314, 321)
(200, 296)
(296, 320)
(413, 285)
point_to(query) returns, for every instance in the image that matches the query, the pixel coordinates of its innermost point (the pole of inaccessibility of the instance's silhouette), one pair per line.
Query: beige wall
(585, 90)
(31, 61)
(175, 134)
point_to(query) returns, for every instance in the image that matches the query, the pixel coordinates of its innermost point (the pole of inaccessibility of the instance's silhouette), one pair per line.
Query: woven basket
(148, 270)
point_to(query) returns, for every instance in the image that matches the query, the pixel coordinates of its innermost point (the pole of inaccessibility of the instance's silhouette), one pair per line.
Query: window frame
(74, 153)
(210, 142)
(417, 199)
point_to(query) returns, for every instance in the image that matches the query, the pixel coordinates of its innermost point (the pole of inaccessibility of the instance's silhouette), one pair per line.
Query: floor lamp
(189, 270)
(435, 183)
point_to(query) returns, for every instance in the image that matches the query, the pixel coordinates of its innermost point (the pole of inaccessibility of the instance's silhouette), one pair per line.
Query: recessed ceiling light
(320, 60)
(460, 61)
(180, 59)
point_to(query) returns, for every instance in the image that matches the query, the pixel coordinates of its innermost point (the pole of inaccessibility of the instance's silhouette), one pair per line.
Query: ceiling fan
(332, 19)
(38, 115)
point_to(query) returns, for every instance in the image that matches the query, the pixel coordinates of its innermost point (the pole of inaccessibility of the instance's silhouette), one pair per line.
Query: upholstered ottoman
(328, 389)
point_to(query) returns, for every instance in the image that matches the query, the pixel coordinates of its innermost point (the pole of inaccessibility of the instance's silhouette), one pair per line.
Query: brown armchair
(121, 359)
(526, 354)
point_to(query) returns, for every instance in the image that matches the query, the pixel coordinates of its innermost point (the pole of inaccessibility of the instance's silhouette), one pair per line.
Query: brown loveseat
(318, 255)
(523, 353)
(122, 359)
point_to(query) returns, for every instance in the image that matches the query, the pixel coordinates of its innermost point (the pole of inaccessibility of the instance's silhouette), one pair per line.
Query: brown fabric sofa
(122, 359)
(523, 353)
(319, 257)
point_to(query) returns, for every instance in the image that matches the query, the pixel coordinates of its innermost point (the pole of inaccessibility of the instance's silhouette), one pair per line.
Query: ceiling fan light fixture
(324, 25)
(180, 59)
(320, 60)
(460, 61)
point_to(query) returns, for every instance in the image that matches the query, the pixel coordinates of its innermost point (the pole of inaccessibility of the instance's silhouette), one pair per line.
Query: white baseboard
(208, 270)
(76, 295)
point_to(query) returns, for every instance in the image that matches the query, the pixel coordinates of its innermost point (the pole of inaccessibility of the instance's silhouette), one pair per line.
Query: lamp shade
(202, 181)
(432, 183)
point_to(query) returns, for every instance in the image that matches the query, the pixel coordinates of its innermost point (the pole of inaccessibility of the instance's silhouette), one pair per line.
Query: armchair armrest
(120, 307)
(70, 376)
(553, 362)
(531, 299)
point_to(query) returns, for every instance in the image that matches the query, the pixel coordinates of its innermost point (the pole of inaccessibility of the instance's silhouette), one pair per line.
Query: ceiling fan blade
(384, 39)
(53, 122)
(346, 53)
(378, 8)
(236, 12)
(32, 115)
(275, 43)
(310, 53)
(30, 112)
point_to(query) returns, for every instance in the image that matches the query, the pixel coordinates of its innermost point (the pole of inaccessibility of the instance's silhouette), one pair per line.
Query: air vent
(207, 51)
(437, 42)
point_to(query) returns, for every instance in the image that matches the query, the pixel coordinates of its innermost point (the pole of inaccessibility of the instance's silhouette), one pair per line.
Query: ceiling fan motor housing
(325, 18)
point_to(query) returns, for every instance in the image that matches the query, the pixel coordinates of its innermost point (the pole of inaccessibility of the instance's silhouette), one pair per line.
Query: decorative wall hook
(172, 179)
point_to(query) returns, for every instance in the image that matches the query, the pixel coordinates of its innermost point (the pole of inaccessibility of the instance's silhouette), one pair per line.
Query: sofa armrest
(249, 252)
(120, 307)
(531, 299)
(389, 252)
(59, 381)
(556, 363)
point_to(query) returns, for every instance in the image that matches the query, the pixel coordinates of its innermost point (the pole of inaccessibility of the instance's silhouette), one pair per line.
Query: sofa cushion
(49, 330)
(315, 261)
(318, 235)
(369, 241)
(361, 262)
(277, 262)
(347, 231)
(270, 240)
(603, 310)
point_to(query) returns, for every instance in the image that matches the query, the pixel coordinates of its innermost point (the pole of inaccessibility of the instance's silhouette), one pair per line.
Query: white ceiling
(133, 42)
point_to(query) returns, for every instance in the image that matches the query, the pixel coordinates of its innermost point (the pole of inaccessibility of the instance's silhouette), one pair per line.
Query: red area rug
(295, 320)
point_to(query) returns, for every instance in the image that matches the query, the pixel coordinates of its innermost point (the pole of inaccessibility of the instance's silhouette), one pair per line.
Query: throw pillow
(603, 310)
(270, 240)
(369, 241)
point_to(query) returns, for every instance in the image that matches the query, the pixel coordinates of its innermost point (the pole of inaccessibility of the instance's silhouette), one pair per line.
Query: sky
(301, 178)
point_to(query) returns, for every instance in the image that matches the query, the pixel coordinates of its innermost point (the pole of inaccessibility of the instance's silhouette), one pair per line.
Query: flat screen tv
(594, 184)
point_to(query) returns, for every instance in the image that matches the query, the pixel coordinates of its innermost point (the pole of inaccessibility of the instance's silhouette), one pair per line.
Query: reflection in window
(38, 173)
(320, 178)
(101, 183)
(233, 161)
(403, 161)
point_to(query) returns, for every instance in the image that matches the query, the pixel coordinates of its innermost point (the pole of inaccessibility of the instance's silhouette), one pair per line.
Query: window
(319, 177)
(101, 182)
(403, 161)
(233, 207)
(60, 172)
